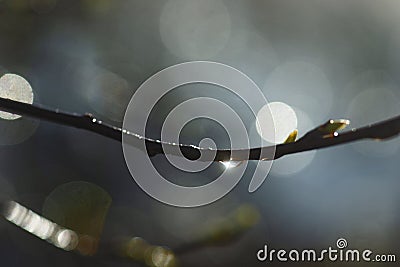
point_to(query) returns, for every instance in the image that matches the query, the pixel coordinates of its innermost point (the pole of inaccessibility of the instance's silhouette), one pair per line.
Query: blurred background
(324, 59)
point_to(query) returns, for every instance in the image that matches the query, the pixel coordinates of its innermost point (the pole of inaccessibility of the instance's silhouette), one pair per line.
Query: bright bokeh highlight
(15, 87)
(284, 122)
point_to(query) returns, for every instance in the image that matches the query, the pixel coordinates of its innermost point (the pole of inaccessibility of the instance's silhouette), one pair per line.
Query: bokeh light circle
(195, 29)
(285, 121)
(14, 128)
(15, 87)
(108, 94)
(303, 85)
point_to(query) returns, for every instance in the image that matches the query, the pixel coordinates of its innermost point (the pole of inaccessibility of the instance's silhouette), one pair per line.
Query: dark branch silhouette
(315, 139)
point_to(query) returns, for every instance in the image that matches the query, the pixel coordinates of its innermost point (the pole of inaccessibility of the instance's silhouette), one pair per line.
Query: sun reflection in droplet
(230, 164)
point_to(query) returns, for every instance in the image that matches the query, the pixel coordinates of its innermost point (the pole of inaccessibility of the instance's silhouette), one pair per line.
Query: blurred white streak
(41, 227)
(66, 239)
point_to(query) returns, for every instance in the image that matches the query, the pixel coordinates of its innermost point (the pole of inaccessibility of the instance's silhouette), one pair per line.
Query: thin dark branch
(312, 140)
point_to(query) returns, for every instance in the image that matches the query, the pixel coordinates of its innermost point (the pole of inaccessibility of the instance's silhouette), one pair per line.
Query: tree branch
(315, 139)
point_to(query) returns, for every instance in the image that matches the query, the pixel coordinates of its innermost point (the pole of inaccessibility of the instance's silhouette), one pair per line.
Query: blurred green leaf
(82, 207)
(140, 250)
(231, 227)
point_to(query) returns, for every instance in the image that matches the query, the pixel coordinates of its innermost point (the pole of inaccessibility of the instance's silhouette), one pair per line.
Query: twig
(314, 139)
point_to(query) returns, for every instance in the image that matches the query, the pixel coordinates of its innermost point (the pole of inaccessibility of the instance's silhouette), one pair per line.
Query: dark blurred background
(326, 59)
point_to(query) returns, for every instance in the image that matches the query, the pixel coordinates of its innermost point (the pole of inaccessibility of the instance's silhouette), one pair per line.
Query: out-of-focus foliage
(82, 207)
(140, 250)
(227, 229)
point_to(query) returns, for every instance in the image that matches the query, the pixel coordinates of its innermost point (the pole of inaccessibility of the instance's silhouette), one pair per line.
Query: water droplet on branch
(231, 164)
